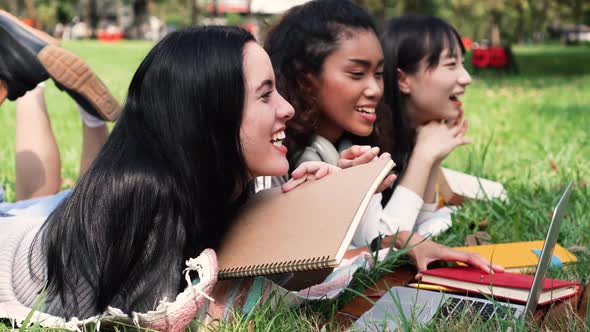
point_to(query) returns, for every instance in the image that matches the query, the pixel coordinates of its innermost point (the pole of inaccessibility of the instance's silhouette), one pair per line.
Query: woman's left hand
(426, 251)
(308, 171)
(362, 154)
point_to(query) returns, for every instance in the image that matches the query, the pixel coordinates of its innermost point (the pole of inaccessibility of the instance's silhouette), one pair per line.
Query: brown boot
(29, 56)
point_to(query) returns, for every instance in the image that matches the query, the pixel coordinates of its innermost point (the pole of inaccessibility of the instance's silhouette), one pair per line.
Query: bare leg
(93, 140)
(38, 166)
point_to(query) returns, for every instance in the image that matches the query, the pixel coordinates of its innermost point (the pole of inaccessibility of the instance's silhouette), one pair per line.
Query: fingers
(323, 171)
(307, 168)
(354, 151)
(357, 155)
(385, 156)
(386, 183)
(483, 264)
(308, 171)
(474, 260)
(456, 130)
(293, 183)
(422, 264)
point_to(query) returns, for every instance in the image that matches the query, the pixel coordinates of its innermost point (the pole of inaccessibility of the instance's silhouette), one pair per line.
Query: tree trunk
(15, 7)
(140, 18)
(577, 13)
(194, 12)
(32, 13)
(215, 9)
(88, 9)
(494, 30)
(539, 17)
(519, 30)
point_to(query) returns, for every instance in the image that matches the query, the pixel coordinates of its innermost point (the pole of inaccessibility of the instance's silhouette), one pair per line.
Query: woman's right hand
(308, 171)
(436, 140)
(424, 251)
(362, 154)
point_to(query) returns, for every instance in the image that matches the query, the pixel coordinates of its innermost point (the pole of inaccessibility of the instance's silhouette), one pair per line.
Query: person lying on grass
(28, 57)
(199, 124)
(424, 80)
(329, 66)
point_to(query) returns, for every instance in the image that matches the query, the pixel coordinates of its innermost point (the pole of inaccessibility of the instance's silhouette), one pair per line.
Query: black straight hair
(164, 185)
(406, 41)
(298, 45)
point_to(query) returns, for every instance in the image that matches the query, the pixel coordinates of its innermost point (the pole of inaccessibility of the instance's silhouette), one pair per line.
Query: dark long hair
(298, 46)
(406, 41)
(163, 186)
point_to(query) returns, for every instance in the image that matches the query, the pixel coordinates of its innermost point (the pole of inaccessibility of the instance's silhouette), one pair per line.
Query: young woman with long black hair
(202, 119)
(329, 66)
(424, 79)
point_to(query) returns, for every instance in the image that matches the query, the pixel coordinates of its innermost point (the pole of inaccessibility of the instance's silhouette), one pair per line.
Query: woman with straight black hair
(202, 119)
(424, 78)
(329, 66)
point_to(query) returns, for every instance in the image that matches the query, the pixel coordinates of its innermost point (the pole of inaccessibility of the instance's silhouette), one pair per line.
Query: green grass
(530, 132)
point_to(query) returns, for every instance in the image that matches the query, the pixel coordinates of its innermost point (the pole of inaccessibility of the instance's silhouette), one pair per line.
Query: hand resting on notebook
(308, 171)
(425, 251)
(362, 154)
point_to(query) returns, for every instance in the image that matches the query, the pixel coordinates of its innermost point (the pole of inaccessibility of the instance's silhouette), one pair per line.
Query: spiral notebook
(307, 228)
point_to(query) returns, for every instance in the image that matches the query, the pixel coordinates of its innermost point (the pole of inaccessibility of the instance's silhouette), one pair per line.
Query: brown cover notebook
(307, 228)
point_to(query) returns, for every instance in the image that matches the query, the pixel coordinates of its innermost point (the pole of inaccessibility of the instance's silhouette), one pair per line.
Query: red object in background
(467, 43)
(498, 58)
(104, 36)
(28, 22)
(481, 57)
(493, 56)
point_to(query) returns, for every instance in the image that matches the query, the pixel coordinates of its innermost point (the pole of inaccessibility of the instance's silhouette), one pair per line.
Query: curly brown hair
(298, 45)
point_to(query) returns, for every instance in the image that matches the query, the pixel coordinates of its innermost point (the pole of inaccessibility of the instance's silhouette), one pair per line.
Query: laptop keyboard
(454, 307)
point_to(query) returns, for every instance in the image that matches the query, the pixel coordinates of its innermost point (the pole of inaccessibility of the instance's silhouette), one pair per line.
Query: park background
(530, 128)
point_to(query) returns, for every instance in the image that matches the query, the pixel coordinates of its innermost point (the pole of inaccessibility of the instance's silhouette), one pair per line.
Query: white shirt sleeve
(432, 221)
(399, 214)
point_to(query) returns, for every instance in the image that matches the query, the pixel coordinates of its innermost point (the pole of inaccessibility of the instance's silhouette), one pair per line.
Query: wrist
(401, 239)
(424, 158)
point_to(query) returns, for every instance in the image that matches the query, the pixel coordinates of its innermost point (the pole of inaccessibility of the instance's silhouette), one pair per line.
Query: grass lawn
(530, 132)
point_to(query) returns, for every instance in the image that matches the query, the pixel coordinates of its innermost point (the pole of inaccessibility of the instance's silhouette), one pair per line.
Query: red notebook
(511, 286)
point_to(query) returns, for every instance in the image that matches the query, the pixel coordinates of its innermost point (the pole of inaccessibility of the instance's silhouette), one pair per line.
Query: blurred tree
(429, 7)
(194, 5)
(375, 7)
(89, 14)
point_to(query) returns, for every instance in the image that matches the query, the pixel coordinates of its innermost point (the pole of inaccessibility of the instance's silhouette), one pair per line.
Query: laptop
(417, 305)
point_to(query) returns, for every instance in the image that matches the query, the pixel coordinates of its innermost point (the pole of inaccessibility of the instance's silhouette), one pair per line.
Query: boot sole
(38, 33)
(71, 72)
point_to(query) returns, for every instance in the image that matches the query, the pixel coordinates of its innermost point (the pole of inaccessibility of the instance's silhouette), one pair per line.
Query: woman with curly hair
(329, 66)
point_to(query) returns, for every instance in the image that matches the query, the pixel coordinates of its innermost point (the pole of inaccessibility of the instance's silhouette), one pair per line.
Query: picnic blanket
(196, 302)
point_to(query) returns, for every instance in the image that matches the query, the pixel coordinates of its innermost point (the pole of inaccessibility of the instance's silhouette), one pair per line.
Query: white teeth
(277, 138)
(369, 110)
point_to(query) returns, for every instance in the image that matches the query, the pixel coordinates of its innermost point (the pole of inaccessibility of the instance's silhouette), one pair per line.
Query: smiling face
(432, 94)
(265, 114)
(350, 85)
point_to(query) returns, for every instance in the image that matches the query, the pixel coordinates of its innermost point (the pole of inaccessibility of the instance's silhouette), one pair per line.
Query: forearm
(430, 191)
(404, 239)
(416, 176)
